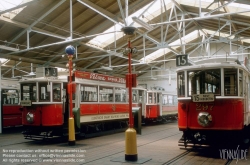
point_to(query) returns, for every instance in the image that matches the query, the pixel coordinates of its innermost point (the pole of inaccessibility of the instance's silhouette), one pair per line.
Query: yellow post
(130, 145)
(71, 131)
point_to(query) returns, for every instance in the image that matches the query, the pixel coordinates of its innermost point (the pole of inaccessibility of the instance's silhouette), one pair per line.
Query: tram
(11, 114)
(100, 103)
(160, 106)
(213, 101)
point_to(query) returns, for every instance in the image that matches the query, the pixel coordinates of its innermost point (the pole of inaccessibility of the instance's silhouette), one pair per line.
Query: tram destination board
(203, 98)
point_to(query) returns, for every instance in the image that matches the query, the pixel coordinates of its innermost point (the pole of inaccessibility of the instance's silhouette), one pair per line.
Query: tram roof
(215, 63)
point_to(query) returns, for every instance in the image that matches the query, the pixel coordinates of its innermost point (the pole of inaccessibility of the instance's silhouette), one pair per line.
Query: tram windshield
(10, 96)
(28, 91)
(204, 81)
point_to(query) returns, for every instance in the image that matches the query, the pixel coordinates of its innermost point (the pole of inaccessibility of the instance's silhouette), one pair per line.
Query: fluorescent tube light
(142, 23)
(106, 68)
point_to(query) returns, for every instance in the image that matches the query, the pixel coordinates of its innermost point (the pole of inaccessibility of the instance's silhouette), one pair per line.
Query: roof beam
(100, 11)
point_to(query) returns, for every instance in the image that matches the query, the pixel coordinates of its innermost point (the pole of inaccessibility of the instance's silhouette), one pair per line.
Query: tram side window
(44, 94)
(151, 98)
(204, 81)
(141, 96)
(157, 98)
(106, 94)
(10, 96)
(120, 95)
(56, 92)
(165, 99)
(230, 81)
(28, 91)
(175, 101)
(135, 96)
(181, 84)
(241, 83)
(88, 93)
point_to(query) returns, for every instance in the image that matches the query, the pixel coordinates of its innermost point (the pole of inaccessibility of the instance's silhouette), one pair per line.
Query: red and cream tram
(160, 105)
(100, 103)
(213, 101)
(11, 114)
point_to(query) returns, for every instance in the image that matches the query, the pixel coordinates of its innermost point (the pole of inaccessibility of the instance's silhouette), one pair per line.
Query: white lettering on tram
(97, 77)
(89, 118)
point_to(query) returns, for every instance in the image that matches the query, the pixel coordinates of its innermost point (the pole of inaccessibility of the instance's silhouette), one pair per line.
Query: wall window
(56, 92)
(230, 81)
(89, 93)
(106, 94)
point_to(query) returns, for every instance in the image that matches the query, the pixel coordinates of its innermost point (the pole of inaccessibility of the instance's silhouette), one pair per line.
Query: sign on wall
(182, 60)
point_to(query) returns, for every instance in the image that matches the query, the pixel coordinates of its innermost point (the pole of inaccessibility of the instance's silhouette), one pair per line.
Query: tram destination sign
(25, 103)
(203, 97)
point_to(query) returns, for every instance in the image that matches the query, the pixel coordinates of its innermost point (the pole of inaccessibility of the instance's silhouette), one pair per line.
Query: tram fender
(76, 112)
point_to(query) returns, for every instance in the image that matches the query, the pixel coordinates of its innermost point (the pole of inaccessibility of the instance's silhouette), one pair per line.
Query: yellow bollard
(72, 139)
(130, 145)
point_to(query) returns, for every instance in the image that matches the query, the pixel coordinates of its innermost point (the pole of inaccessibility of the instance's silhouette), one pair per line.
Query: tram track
(175, 159)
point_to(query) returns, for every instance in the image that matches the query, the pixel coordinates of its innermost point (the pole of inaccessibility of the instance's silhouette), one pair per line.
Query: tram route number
(182, 60)
(203, 98)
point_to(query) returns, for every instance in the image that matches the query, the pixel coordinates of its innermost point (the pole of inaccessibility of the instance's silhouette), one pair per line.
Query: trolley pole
(130, 134)
(70, 50)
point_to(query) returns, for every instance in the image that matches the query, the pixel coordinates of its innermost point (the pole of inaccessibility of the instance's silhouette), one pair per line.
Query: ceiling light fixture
(106, 68)
(8, 48)
(142, 23)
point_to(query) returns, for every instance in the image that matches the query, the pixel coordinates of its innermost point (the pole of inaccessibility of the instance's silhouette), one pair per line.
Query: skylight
(153, 11)
(8, 4)
(104, 40)
(191, 36)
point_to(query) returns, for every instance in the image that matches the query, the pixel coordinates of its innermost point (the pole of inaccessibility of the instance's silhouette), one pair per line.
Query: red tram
(160, 106)
(11, 114)
(213, 102)
(100, 103)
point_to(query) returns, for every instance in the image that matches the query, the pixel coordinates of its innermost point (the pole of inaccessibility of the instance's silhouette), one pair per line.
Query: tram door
(142, 101)
(65, 103)
(159, 98)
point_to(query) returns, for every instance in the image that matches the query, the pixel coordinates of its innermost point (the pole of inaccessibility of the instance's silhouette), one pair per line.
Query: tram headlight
(204, 119)
(30, 117)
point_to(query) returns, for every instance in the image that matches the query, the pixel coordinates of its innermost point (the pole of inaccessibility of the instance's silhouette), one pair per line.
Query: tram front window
(181, 84)
(44, 94)
(56, 92)
(230, 81)
(28, 91)
(204, 81)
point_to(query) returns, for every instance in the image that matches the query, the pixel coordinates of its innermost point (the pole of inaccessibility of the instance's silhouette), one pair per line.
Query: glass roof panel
(8, 4)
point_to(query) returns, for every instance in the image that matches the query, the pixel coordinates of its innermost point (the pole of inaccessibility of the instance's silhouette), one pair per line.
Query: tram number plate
(25, 103)
(203, 98)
